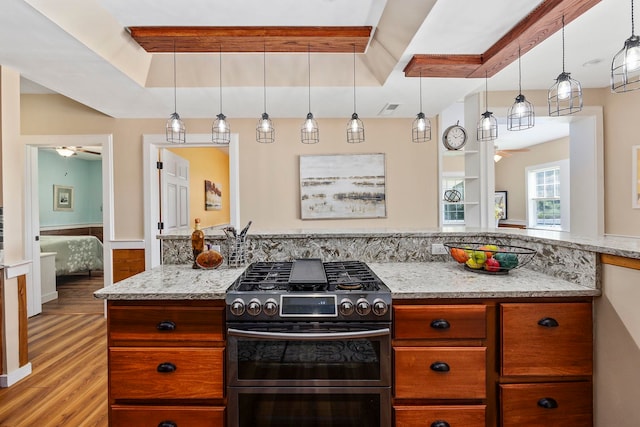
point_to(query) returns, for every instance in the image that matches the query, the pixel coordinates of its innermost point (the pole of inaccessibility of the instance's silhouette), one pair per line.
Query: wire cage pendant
(265, 133)
(565, 96)
(521, 115)
(487, 129)
(625, 67)
(175, 128)
(355, 127)
(220, 131)
(421, 128)
(309, 132)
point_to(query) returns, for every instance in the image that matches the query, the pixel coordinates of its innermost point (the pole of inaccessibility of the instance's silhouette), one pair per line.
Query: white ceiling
(79, 48)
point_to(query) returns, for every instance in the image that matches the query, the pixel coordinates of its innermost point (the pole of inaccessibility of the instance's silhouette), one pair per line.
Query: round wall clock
(454, 137)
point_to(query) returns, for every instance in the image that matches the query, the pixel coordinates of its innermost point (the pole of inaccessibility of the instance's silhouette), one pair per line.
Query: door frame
(151, 144)
(32, 205)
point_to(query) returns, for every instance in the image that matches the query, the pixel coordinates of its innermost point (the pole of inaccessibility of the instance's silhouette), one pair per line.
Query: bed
(74, 254)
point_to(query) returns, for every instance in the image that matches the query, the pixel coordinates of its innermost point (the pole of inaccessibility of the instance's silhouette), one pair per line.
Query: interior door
(174, 200)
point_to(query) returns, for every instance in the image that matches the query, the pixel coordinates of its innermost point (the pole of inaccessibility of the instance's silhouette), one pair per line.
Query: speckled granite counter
(411, 280)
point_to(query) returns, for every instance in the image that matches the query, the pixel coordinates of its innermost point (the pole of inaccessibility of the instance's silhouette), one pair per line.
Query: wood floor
(68, 354)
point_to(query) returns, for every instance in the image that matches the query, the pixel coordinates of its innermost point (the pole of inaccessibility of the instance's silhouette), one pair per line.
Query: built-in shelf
(454, 153)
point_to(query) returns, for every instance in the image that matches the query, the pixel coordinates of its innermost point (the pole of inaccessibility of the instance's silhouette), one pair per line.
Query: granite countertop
(411, 280)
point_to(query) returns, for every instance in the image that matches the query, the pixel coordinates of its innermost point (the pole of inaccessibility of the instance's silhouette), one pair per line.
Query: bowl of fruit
(489, 258)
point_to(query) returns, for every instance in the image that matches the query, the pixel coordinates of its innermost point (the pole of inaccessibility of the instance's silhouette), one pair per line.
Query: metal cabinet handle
(548, 403)
(548, 322)
(167, 424)
(440, 324)
(166, 326)
(440, 367)
(166, 367)
(440, 423)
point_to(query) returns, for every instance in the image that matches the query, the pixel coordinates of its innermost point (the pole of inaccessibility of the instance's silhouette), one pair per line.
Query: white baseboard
(49, 297)
(7, 380)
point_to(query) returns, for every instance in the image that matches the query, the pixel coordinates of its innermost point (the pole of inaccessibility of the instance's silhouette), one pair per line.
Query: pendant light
(265, 133)
(565, 97)
(421, 129)
(625, 68)
(355, 128)
(176, 131)
(487, 129)
(220, 131)
(521, 115)
(309, 133)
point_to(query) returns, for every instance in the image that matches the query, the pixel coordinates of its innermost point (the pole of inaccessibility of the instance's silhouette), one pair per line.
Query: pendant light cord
(309, 73)
(519, 72)
(632, 22)
(486, 90)
(563, 44)
(220, 77)
(175, 91)
(354, 77)
(421, 91)
(264, 75)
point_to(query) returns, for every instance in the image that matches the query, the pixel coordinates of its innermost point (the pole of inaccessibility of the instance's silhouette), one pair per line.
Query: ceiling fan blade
(84, 150)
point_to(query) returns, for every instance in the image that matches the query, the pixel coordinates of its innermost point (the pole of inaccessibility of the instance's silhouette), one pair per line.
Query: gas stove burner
(349, 286)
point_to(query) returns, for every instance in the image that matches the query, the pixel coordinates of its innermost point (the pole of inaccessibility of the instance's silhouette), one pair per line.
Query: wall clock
(454, 137)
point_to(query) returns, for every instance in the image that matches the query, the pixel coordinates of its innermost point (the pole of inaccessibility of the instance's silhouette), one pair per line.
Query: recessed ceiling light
(592, 62)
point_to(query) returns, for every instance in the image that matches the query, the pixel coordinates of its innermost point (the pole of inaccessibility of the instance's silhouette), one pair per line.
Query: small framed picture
(501, 204)
(63, 198)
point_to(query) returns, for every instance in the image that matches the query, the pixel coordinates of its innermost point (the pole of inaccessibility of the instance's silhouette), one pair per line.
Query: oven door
(309, 407)
(309, 355)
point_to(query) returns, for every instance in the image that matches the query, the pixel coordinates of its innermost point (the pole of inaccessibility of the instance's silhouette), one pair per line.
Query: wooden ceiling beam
(536, 27)
(252, 39)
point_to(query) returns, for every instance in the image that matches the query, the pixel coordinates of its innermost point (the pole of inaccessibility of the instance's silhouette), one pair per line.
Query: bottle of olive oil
(197, 242)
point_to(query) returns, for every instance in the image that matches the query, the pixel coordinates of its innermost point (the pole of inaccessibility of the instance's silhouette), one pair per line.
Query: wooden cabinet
(166, 363)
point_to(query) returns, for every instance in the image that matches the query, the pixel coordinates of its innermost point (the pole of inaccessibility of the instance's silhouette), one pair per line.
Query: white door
(174, 179)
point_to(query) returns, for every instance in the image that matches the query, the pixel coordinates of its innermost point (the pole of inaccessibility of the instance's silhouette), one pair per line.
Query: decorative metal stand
(237, 249)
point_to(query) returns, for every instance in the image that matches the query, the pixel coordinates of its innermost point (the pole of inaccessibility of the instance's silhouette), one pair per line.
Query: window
(548, 196)
(453, 212)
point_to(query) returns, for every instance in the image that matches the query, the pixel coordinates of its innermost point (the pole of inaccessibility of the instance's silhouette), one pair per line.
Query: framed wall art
(342, 186)
(635, 180)
(63, 198)
(501, 205)
(212, 196)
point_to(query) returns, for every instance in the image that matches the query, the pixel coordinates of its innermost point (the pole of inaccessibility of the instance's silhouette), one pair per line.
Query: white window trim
(565, 194)
(447, 176)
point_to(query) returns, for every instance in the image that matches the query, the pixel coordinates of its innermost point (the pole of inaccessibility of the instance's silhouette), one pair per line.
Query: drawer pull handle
(167, 424)
(440, 324)
(548, 403)
(548, 322)
(166, 367)
(166, 326)
(440, 367)
(440, 423)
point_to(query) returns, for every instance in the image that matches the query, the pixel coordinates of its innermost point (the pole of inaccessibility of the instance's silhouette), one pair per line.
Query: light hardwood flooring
(68, 354)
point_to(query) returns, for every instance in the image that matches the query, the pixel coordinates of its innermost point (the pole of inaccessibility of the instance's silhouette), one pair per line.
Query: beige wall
(510, 173)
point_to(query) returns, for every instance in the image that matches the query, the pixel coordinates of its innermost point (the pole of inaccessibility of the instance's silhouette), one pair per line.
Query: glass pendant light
(565, 97)
(309, 133)
(265, 133)
(220, 131)
(487, 129)
(355, 128)
(176, 131)
(521, 115)
(625, 68)
(421, 129)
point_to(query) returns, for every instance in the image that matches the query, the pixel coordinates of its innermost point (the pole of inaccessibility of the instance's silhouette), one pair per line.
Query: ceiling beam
(252, 39)
(536, 27)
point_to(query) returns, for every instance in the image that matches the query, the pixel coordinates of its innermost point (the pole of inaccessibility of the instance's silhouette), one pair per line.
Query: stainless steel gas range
(308, 345)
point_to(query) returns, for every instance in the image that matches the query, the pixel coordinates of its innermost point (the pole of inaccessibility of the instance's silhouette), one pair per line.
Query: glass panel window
(546, 192)
(453, 196)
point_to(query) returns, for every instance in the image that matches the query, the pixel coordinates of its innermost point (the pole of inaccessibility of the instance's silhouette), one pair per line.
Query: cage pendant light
(176, 131)
(421, 129)
(625, 68)
(487, 129)
(565, 96)
(265, 133)
(521, 115)
(355, 128)
(220, 131)
(309, 133)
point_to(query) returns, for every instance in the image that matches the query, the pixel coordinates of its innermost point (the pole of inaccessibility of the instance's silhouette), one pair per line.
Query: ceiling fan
(68, 151)
(499, 154)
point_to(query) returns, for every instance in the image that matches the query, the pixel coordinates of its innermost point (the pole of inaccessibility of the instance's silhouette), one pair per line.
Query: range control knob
(380, 307)
(237, 307)
(346, 307)
(254, 307)
(363, 307)
(270, 307)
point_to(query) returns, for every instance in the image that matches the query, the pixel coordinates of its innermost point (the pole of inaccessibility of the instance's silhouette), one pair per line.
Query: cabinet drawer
(439, 321)
(151, 416)
(428, 416)
(147, 373)
(167, 325)
(422, 372)
(546, 404)
(546, 339)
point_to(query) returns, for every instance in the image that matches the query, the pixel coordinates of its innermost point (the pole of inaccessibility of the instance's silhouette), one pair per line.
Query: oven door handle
(308, 336)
